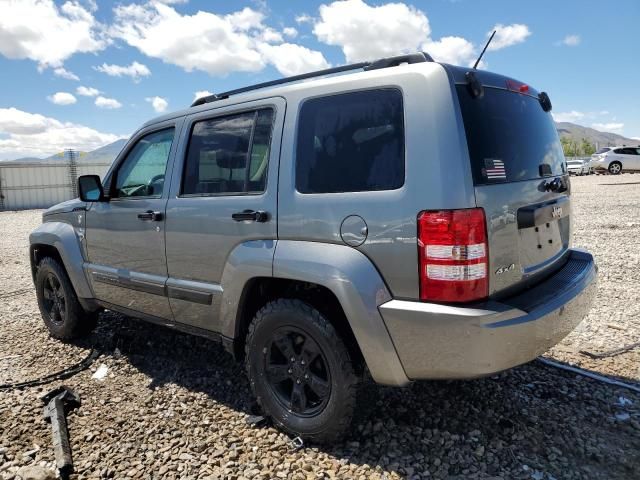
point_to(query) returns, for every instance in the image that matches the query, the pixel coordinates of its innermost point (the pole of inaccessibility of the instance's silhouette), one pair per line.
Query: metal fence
(40, 185)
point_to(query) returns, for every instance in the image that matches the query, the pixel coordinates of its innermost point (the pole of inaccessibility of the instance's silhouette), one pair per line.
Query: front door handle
(150, 215)
(251, 215)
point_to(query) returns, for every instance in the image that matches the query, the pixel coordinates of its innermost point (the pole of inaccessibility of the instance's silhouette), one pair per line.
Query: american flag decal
(494, 169)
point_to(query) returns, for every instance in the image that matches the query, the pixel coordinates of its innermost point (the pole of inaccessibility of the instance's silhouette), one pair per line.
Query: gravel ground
(174, 406)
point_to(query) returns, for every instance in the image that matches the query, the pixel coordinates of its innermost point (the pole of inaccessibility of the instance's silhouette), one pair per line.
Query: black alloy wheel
(300, 371)
(54, 301)
(61, 311)
(297, 371)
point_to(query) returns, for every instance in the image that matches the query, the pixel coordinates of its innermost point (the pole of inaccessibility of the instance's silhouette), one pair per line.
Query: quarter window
(351, 142)
(142, 172)
(229, 155)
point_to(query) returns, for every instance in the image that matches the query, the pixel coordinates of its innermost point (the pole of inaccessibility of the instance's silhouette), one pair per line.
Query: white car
(578, 167)
(617, 160)
(597, 155)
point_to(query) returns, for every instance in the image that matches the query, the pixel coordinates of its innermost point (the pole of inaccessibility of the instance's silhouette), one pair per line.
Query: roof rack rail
(418, 57)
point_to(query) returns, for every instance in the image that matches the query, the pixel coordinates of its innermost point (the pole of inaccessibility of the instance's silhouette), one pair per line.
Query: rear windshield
(602, 150)
(510, 137)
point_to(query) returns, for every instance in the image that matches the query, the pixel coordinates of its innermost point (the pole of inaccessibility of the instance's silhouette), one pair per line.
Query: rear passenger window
(229, 155)
(351, 142)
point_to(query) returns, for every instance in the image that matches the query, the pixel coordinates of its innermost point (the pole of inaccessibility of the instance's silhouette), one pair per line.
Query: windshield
(510, 137)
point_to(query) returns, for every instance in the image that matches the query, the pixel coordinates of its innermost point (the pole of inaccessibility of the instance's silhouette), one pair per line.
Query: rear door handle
(251, 215)
(151, 215)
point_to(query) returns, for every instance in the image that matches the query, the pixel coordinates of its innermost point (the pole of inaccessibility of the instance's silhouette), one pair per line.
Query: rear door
(630, 158)
(520, 180)
(223, 195)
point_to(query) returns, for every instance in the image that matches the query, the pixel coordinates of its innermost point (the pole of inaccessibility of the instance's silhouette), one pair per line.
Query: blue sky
(83, 73)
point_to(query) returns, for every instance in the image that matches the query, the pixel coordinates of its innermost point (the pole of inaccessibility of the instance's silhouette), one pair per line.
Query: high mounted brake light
(517, 86)
(453, 255)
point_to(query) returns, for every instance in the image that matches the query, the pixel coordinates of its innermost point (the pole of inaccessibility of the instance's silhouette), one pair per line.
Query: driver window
(142, 172)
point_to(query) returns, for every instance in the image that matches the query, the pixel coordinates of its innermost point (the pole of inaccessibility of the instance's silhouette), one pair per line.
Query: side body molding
(356, 283)
(62, 236)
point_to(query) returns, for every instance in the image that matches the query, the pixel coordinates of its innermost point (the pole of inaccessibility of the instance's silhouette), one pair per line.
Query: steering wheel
(154, 180)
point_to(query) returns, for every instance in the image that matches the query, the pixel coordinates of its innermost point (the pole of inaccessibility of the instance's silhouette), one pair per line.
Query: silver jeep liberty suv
(406, 220)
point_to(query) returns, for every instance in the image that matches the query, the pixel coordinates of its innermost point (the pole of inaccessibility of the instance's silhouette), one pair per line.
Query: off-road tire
(334, 420)
(74, 321)
(612, 169)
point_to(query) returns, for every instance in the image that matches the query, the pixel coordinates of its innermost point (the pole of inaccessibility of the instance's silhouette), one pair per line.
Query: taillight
(453, 255)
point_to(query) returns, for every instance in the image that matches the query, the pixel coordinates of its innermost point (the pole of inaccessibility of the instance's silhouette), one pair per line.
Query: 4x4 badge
(505, 269)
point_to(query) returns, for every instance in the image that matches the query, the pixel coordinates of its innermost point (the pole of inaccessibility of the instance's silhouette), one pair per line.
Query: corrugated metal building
(42, 184)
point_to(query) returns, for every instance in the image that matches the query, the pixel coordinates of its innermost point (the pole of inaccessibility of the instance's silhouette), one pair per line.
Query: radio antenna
(475, 66)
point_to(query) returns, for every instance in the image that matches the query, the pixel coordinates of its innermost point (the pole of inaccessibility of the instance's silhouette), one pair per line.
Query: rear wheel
(300, 371)
(62, 313)
(615, 168)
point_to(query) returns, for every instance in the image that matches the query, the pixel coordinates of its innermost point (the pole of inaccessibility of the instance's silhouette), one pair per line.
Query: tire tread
(339, 427)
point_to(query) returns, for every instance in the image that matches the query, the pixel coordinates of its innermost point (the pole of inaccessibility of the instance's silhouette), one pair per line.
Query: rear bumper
(437, 341)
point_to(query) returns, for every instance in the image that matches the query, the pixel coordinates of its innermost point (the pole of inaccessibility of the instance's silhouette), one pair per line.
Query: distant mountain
(601, 139)
(104, 154)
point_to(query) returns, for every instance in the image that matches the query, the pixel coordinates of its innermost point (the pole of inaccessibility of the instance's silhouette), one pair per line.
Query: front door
(223, 198)
(126, 236)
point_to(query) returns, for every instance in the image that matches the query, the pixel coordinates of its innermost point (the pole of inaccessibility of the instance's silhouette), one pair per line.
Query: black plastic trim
(540, 214)
(189, 295)
(183, 327)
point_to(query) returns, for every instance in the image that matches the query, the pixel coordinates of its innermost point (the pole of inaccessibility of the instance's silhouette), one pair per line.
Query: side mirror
(90, 188)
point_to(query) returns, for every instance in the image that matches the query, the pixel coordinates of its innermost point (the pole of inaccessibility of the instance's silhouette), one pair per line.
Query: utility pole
(72, 157)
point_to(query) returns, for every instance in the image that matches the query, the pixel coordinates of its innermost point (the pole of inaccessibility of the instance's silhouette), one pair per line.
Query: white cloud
(304, 18)
(87, 91)
(291, 59)
(47, 34)
(64, 73)
(571, 40)
(635, 138)
(290, 32)
(364, 32)
(108, 103)
(203, 41)
(507, 35)
(159, 104)
(613, 127)
(32, 134)
(454, 50)
(216, 44)
(136, 70)
(571, 116)
(245, 19)
(200, 94)
(62, 98)
(270, 35)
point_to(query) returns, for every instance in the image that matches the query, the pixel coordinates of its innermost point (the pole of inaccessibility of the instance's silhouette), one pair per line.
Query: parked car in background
(618, 160)
(578, 167)
(407, 221)
(594, 158)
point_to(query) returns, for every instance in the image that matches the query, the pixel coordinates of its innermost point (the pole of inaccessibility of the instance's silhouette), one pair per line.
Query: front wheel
(62, 313)
(615, 168)
(300, 371)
